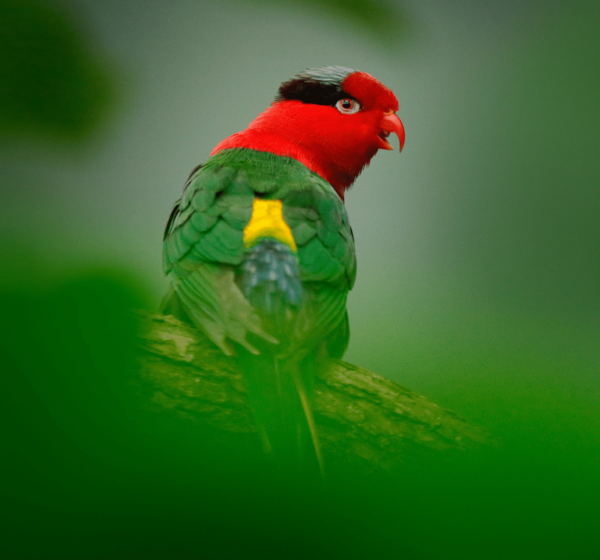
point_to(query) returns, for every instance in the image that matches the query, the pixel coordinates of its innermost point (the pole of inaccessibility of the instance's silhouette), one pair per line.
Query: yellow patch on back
(267, 221)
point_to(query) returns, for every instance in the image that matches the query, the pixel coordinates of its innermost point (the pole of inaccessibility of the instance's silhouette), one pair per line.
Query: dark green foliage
(87, 474)
(383, 20)
(50, 83)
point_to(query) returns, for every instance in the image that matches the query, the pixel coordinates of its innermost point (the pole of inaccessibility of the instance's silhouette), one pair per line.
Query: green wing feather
(203, 245)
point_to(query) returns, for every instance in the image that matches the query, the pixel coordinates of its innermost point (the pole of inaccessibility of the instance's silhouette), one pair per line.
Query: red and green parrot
(259, 252)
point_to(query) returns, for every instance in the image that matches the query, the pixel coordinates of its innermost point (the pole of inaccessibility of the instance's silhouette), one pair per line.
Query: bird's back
(242, 205)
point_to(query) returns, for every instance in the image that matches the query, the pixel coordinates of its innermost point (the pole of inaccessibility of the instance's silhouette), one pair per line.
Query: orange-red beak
(390, 123)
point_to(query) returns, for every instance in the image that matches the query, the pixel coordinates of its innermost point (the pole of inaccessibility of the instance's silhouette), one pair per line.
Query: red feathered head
(332, 119)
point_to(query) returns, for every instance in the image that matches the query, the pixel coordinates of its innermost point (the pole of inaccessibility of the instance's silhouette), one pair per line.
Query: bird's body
(259, 251)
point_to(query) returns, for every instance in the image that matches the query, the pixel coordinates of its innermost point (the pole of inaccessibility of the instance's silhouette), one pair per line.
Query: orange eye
(347, 106)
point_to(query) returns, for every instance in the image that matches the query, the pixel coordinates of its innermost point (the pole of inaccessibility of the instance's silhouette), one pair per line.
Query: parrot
(259, 253)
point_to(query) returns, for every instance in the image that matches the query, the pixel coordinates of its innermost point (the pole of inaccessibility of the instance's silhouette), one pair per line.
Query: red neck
(318, 136)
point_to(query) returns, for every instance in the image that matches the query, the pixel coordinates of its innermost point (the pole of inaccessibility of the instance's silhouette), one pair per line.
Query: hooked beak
(390, 123)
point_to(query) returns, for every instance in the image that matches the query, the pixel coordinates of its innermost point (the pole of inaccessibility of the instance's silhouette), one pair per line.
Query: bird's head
(332, 119)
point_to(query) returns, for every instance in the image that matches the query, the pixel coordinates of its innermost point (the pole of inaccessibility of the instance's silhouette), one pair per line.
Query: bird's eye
(347, 106)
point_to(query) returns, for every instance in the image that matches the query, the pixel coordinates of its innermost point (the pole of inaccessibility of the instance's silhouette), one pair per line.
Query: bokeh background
(478, 246)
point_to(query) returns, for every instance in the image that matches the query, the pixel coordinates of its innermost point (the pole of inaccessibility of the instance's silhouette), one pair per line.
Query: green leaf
(51, 83)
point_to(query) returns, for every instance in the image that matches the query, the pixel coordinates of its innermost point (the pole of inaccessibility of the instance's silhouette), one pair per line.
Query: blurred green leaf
(385, 22)
(52, 84)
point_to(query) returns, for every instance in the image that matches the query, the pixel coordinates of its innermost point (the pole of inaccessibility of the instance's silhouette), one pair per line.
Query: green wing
(203, 245)
(325, 243)
(319, 224)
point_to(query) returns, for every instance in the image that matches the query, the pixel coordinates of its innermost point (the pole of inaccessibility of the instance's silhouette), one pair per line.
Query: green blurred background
(478, 250)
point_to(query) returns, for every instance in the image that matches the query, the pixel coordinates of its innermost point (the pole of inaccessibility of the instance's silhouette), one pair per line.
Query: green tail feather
(280, 396)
